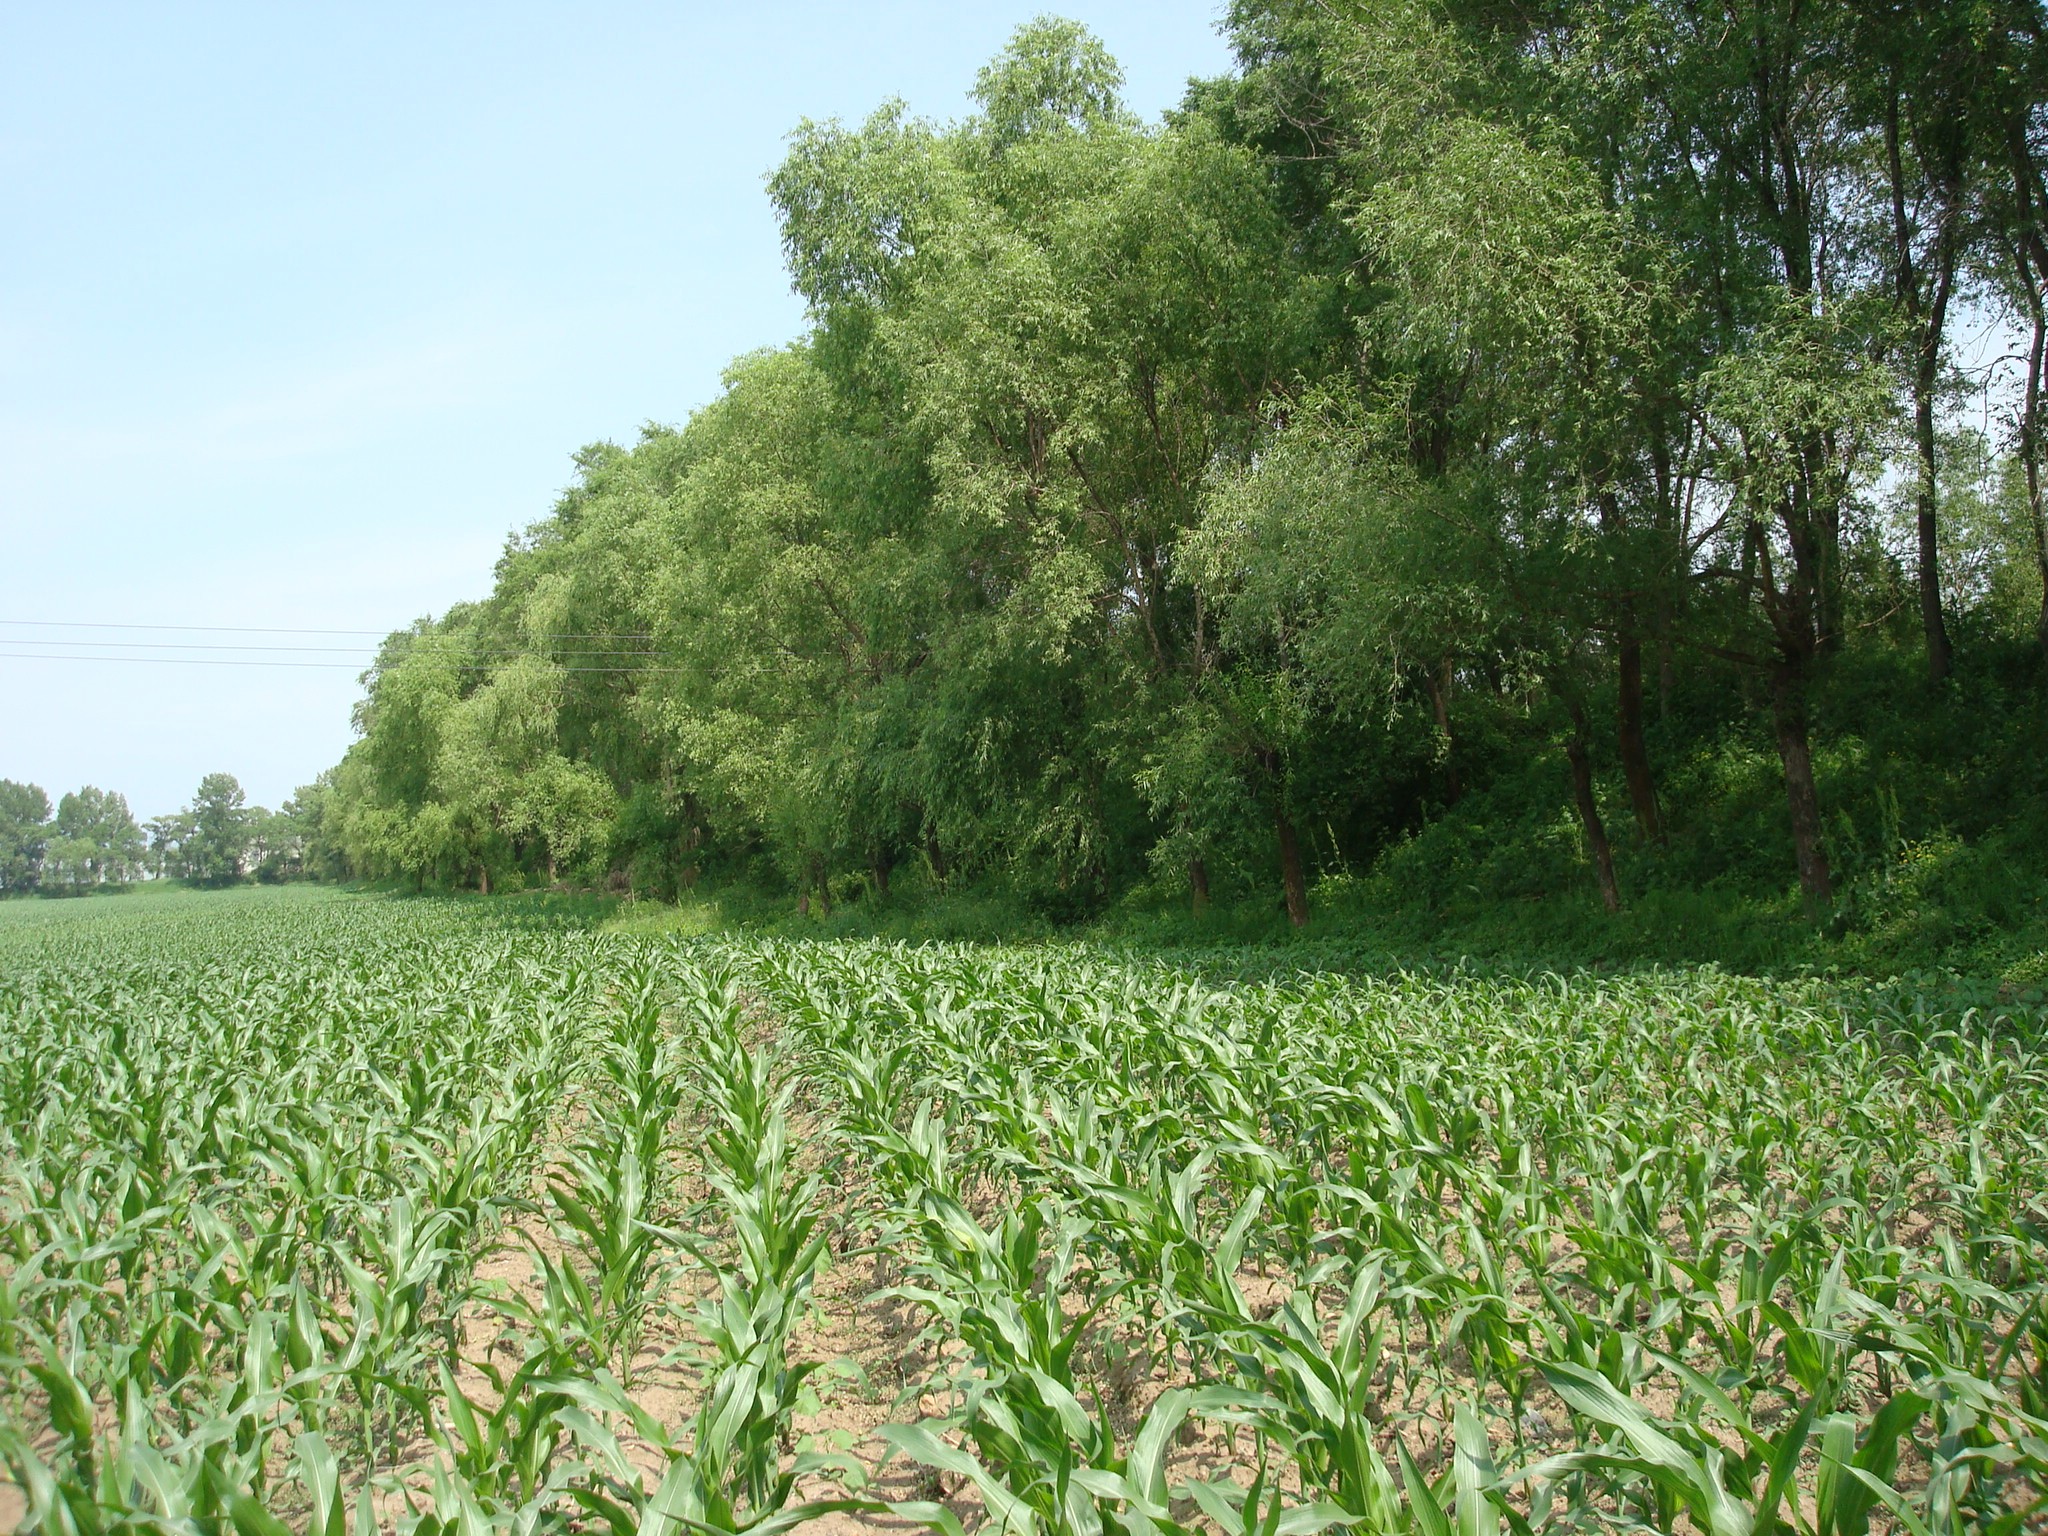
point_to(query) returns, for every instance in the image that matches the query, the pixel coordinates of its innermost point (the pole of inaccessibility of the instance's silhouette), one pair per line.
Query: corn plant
(1420, 1250)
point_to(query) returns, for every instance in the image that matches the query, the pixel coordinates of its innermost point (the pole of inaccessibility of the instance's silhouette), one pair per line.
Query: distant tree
(94, 841)
(168, 836)
(278, 840)
(219, 842)
(24, 833)
(315, 853)
(261, 835)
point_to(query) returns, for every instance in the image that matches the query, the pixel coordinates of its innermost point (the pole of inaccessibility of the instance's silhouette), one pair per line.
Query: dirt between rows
(880, 1364)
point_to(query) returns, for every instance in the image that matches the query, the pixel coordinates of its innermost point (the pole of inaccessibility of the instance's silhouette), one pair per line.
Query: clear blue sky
(303, 309)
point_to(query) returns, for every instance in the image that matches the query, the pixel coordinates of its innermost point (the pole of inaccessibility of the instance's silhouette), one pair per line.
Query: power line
(509, 652)
(213, 629)
(249, 629)
(345, 666)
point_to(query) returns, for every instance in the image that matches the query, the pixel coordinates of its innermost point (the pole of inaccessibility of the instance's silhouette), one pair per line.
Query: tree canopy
(1449, 387)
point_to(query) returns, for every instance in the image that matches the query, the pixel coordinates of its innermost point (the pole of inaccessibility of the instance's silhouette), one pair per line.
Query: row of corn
(370, 1215)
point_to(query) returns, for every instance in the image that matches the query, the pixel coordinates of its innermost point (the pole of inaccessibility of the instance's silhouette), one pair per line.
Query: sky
(303, 310)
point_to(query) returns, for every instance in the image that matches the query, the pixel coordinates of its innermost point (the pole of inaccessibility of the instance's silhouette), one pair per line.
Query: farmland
(334, 1213)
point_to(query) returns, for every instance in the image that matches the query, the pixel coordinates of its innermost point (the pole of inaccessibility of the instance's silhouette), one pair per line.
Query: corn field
(334, 1214)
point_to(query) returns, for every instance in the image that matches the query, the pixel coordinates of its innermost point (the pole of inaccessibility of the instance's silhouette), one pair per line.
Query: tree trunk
(936, 857)
(1198, 883)
(1940, 655)
(820, 885)
(693, 839)
(2028, 251)
(1589, 811)
(1788, 719)
(1292, 880)
(1290, 867)
(1928, 313)
(1438, 682)
(483, 879)
(2030, 434)
(878, 868)
(1635, 756)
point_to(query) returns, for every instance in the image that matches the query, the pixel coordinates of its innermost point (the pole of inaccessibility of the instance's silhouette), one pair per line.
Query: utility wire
(246, 629)
(345, 666)
(510, 652)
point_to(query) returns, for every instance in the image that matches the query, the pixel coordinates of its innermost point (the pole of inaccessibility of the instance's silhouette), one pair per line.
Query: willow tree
(1077, 317)
(393, 820)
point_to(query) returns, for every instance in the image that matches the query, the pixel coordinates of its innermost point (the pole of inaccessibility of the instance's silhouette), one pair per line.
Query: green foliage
(24, 835)
(219, 838)
(1463, 461)
(93, 841)
(1411, 1253)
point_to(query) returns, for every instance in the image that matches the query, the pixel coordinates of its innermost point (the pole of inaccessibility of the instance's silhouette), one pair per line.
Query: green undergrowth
(1936, 829)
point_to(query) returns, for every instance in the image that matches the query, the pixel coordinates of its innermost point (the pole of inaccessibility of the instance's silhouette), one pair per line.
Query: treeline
(1450, 388)
(92, 841)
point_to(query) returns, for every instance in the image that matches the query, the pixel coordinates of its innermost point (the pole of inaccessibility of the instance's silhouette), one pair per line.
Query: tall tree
(1227, 497)
(1916, 77)
(2013, 144)
(219, 841)
(1081, 317)
(24, 835)
(94, 841)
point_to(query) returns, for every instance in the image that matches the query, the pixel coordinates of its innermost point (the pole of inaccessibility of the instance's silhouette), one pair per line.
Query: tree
(391, 821)
(218, 844)
(24, 834)
(2013, 259)
(93, 841)
(1230, 497)
(291, 836)
(168, 836)
(1474, 500)
(1694, 481)
(502, 777)
(1078, 319)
